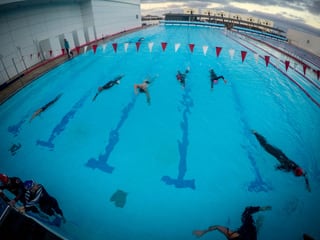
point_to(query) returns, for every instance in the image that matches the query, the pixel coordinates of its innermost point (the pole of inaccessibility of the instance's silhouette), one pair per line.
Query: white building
(33, 30)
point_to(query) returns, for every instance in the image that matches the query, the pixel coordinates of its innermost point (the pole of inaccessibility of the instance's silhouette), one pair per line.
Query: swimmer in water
(108, 85)
(286, 164)
(143, 88)
(181, 77)
(42, 109)
(247, 231)
(214, 78)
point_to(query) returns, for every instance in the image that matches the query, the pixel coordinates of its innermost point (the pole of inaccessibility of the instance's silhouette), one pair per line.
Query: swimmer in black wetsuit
(214, 78)
(247, 231)
(286, 164)
(181, 77)
(108, 85)
(42, 109)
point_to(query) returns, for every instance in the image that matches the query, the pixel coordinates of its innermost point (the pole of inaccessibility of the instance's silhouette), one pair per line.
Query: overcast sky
(300, 14)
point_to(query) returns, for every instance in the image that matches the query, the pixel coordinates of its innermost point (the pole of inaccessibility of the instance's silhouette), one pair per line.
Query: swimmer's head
(298, 172)
(4, 178)
(29, 184)
(146, 81)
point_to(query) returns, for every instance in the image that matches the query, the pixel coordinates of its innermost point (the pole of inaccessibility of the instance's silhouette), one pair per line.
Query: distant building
(150, 20)
(227, 19)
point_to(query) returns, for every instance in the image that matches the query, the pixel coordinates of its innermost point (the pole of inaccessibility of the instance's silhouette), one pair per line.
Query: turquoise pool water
(186, 161)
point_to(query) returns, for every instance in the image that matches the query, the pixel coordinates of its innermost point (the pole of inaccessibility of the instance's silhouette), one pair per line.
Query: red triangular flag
(267, 59)
(62, 50)
(243, 55)
(138, 45)
(78, 49)
(50, 52)
(287, 63)
(94, 47)
(304, 69)
(163, 45)
(218, 50)
(115, 45)
(191, 46)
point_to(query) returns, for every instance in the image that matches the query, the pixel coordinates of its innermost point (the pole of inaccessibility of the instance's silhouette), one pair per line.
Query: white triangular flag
(205, 49)
(150, 46)
(176, 47)
(126, 45)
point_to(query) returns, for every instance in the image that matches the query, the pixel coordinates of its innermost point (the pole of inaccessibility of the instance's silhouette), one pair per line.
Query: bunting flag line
(138, 45)
(150, 46)
(126, 45)
(191, 46)
(115, 46)
(218, 50)
(104, 46)
(304, 68)
(231, 53)
(243, 55)
(256, 57)
(287, 63)
(94, 47)
(205, 49)
(267, 59)
(163, 45)
(176, 47)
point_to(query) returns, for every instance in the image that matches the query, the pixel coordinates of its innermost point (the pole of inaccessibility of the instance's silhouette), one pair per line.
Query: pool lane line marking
(102, 161)
(61, 126)
(180, 182)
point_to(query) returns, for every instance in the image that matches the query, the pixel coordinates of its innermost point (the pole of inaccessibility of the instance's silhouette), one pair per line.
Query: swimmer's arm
(148, 96)
(136, 86)
(307, 182)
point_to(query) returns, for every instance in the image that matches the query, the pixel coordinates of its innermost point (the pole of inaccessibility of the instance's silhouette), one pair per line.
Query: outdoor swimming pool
(186, 161)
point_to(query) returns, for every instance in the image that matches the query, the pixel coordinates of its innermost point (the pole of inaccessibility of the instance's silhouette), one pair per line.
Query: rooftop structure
(229, 20)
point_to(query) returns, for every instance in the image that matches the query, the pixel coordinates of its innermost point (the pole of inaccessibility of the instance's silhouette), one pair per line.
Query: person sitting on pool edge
(286, 164)
(36, 197)
(108, 85)
(42, 109)
(181, 77)
(247, 231)
(214, 78)
(143, 88)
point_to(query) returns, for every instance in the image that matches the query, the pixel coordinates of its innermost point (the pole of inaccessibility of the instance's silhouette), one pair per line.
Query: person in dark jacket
(13, 185)
(37, 198)
(247, 231)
